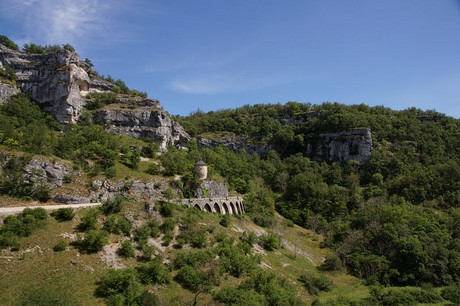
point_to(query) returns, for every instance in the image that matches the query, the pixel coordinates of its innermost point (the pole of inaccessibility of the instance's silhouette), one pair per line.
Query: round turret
(201, 170)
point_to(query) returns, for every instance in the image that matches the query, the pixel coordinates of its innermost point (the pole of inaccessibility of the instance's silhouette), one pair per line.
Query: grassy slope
(36, 264)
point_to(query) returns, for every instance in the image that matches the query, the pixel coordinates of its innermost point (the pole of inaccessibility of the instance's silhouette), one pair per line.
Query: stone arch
(225, 209)
(238, 207)
(197, 206)
(217, 208)
(234, 211)
(242, 207)
(207, 207)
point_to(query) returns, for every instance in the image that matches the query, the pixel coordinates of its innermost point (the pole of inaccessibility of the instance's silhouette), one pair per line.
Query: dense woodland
(394, 221)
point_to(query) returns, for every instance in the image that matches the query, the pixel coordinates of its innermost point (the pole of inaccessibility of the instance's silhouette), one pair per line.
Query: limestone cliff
(55, 80)
(148, 121)
(59, 82)
(342, 146)
(6, 91)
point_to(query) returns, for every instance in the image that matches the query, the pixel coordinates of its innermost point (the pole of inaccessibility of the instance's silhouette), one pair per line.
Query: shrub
(124, 283)
(93, 241)
(113, 206)
(89, 220)
(249, 237)
(4, 40)
(315, 284)
(168, 225)
(193, 258)
(239, 296)
(60, 246)
(142, 234)
(63, 214)
(331, 263)
(153, 272)
(225, 220)
(166, 209)
(127, 249)
(452, 294)
(97, 100)
(147, 251)
(26, 223)
(191, 278)
(8, 239)
(269, 241)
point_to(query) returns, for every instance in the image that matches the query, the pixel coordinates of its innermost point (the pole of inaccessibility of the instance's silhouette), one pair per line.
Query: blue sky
(214, 54)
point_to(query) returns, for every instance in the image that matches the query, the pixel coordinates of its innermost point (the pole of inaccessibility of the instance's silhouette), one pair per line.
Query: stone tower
(201, 170)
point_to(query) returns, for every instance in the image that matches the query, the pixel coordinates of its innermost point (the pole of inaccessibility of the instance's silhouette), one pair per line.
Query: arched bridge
(227, 205)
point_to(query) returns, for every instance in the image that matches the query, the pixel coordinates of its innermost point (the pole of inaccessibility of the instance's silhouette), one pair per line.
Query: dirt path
(17, 210)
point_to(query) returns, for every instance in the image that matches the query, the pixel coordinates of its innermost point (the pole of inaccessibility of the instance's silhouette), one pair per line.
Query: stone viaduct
(226, 205)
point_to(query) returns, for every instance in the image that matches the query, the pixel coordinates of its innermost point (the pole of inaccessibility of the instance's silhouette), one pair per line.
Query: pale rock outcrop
(342, 146)
(103, 190)
(6, 91)
(143, 122)
(235, 143)
(55, 80)
(40, 169)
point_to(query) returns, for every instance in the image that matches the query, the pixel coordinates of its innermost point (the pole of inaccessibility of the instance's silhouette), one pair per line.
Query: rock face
(212, 189)
(143, 122)
(59, 82)
(44, 170)
(55, 80)
(6, 91)
(103, 190)
(235, 143)
(343, 146)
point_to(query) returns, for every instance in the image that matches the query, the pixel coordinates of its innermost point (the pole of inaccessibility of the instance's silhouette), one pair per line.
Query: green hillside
(344, 205)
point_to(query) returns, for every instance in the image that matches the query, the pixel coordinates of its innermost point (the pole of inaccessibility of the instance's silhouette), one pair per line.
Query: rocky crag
(343, 146)
(59, 81)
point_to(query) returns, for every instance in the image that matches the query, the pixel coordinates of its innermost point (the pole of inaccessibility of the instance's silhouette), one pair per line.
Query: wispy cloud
(219, 84)
(61, 21)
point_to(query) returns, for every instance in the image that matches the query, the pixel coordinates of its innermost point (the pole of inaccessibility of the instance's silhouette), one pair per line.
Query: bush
(127, 249)
(239, 296)
(269, 241)
(123, 283)
(193, 258)
(167, 209)
(168, 225)
(113, 206)
(4, 40)
(118, 225)
(331, 263)
(60, 246)
(63, 214)
(25, 224)
(142, 234)
(97, 100)
(225, 220)
(191, 278)
(153, 272)
(8, 239)
(452, 294)
(316, 284)
(93, 241)
(89, 220)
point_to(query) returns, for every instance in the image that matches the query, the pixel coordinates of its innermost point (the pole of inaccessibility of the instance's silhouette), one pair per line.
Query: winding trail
(17, 210)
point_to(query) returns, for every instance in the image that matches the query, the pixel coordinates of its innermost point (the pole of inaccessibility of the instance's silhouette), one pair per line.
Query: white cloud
(61, 21)
(219, 84)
